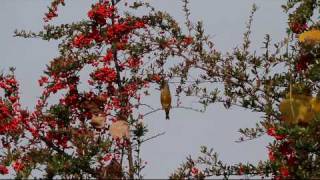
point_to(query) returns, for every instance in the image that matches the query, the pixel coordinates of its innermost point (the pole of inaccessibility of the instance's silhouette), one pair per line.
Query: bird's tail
(167, 114)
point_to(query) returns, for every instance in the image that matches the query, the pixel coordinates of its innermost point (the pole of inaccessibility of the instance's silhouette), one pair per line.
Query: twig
(173, 107)
(249, 139)
(118, 70)
(187, 16)
(152, 137)
(58, 150)
(193, 81)
(146, 105)
(150, 112)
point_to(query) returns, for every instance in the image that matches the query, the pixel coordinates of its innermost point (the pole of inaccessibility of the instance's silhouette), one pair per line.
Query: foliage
(288, 99)
(98, 133)
(86, 134)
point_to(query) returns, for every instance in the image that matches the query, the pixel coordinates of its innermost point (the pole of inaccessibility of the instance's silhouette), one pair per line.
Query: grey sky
(186, 131)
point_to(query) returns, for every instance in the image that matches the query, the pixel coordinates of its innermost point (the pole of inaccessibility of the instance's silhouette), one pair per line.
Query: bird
(165, 97)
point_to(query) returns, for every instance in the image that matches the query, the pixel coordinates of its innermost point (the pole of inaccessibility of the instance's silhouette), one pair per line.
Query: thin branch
(249, 139)
(174, 107)
(187, 15)
(188, 108)
(193, 81)
(150, 112)
(152, 137)
(141, 104)
(58, 150)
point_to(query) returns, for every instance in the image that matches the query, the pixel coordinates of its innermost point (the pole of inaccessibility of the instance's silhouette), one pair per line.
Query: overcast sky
(186, 131)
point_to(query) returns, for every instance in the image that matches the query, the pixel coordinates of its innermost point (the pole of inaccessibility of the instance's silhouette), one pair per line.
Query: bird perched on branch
(165, 97)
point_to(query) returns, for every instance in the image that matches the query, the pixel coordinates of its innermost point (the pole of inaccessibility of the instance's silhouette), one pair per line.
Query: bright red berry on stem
(297, 27)
(3, 169)
(272, 132)
(284, 171)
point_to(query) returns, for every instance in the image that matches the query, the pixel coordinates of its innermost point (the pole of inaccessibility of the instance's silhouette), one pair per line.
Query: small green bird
(165, 97)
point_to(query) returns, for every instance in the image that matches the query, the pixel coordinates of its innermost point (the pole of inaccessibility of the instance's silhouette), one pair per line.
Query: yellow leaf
(310, 37)
(305, 114)
(315, 104)
(297, 109)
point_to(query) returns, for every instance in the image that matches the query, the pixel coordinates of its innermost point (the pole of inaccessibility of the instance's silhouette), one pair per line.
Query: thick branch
(115, 58)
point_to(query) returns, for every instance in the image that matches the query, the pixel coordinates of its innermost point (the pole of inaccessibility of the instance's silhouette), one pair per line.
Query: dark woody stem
(119, 83)
(58, 150)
